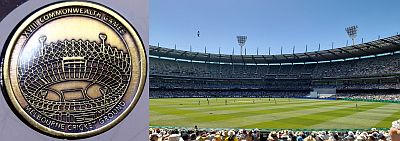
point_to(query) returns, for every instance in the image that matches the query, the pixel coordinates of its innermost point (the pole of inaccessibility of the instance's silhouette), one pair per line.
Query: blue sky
(269, 23)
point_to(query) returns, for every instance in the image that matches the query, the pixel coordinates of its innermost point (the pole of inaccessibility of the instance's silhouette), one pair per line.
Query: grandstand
(262, 91)
(361, 69)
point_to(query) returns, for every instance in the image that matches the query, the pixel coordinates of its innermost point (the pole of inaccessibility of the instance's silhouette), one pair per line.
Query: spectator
(300, 136)
(309, 138)
(154, 137)
(395, 134)
(185, 137)
(231, 136)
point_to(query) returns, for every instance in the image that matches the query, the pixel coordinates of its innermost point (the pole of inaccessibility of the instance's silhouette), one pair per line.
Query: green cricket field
(270, 113)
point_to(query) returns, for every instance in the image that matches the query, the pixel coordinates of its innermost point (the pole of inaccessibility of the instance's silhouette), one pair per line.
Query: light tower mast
(352, 32)
(241, 41)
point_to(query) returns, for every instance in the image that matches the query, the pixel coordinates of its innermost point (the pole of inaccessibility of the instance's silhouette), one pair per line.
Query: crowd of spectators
(361, 86)
(196, 69)
(181, 93)
(160, 134)
(351, 68)
(374, 66)
(394, 96)
(294, 84)
(371, 86)
(194, 83)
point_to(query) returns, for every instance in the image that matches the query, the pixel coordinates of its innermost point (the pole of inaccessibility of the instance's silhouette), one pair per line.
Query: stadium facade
(367, 68)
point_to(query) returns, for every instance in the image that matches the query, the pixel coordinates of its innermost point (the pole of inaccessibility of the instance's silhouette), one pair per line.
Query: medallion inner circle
(74, 70)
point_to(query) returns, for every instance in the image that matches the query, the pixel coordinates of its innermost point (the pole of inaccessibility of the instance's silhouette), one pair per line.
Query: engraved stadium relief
(74, 80)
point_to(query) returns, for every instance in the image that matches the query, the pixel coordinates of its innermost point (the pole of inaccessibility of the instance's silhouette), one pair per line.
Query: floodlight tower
(352, 32)
(241, 41)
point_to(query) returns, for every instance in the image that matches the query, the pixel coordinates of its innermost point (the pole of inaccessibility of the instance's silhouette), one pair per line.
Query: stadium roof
(385, 45)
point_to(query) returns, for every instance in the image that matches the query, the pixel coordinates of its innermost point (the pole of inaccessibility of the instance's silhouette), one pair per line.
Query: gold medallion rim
(30, 18)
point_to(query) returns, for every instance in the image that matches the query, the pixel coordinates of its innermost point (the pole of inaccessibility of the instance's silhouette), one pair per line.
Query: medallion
(73, 69)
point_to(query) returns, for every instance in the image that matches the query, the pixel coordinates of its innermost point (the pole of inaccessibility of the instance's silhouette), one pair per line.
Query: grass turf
(271, 113)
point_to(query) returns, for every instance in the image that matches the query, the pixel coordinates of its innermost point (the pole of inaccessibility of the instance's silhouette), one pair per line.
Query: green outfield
(266, 113)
